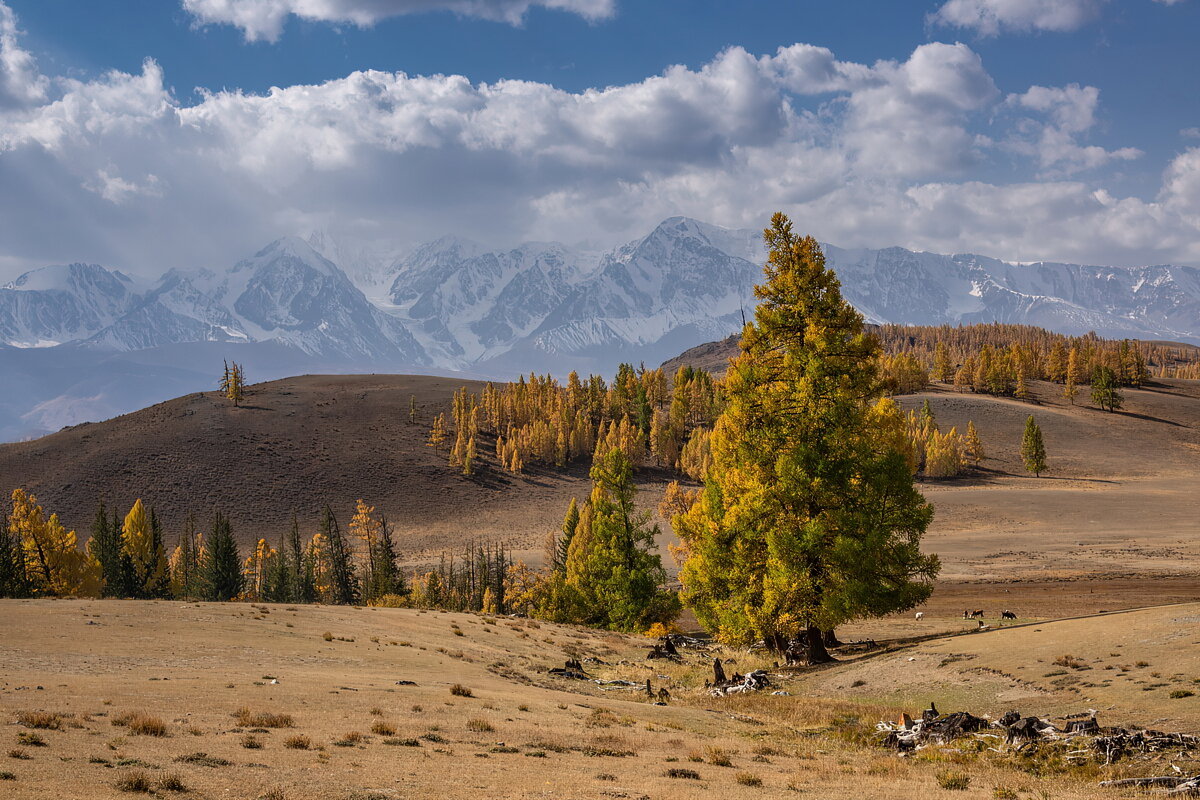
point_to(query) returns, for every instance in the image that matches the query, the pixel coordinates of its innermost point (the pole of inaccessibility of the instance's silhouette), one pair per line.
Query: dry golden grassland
(240, 701)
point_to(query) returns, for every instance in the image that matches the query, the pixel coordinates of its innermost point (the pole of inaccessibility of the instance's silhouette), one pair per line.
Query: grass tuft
(680, 772)
(40, 719)
(458, 690)
(140, 724)
(203, 760)
(136, 781)
(748, 779)
(300, 742)
(171, 782)
(953, 781)
(249, 719)
(479, 725)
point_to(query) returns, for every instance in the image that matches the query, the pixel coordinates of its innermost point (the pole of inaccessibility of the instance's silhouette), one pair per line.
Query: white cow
(920, 615)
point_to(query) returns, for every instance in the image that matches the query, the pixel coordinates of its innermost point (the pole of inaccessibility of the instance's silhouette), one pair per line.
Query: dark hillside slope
(298, 444)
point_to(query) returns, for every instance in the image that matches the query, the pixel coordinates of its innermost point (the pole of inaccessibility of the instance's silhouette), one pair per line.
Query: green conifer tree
(1104, 390)
(809, 517)
(221, 569)
(1033, 449)
(570, 523)
(343, 582)
(13, 580)
(105, 550)
(300, 581)
(158, 584)
(615, 568)
(385, 574)
(927, 419)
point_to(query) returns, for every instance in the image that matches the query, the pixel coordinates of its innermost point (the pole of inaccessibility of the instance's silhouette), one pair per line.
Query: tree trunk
(831, 639)
(776, 642)
(816, 652)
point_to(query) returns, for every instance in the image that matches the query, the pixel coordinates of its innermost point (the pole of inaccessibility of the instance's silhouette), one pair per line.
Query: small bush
(327, 636)
(953, 781)
(376, 712)
(19, 754)
(7, 776)
(679, 772)
(40, 719)
(523, 707)
(171, 782)
(300, 742)
(383, 728)
(140, 724)
(1004, 793)
(402, 742)
(479, 725)
(251, 742)
(1069, 661)
(1179, 694)
(349, 740)
(458, 690)
(203, 760)
(436, 738)
(143, 725)
(273, 794)
(136, 781)
(248, 719)
(748, 779)
(30, 739)
(718, 757)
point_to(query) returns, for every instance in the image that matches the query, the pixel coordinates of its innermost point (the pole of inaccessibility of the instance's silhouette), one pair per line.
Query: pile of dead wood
(668, 647)
(722, 685)
(1022, 733)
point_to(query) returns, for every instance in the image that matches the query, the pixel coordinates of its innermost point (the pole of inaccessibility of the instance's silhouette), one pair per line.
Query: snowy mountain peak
(69, 278)
(291, 248)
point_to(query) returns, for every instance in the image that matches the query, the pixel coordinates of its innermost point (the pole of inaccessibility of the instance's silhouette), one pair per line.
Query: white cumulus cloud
(265, 19)
(1068, 113)
(117, 169)
(20, 82)
(991, 17)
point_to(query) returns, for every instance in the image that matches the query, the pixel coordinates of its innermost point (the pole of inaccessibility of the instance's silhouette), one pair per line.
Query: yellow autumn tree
(54, 565)
(148, 555)
(364, 532)
(255, 569)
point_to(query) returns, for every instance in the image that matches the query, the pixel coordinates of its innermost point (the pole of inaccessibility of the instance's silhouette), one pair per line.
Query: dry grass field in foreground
(107, 699)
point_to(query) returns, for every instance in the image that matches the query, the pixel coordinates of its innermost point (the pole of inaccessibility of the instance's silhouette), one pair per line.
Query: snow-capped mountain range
(84, 342)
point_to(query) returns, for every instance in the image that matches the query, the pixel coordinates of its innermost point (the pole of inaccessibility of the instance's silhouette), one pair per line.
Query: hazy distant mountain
(457, 305)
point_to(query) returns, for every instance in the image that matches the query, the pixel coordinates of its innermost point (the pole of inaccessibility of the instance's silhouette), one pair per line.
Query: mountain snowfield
(82, 342)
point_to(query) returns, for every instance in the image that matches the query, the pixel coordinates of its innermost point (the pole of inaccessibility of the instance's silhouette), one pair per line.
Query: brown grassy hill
(1118, 502)
(296, 445)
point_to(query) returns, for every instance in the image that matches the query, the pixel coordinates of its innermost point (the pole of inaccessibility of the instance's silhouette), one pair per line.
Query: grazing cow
(920, 615)
(977, 614)
(1006, 614)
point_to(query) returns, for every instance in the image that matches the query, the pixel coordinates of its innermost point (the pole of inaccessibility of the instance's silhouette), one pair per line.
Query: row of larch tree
(127, 557)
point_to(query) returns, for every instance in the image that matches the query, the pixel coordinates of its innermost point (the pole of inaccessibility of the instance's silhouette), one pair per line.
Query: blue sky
(144, 133)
